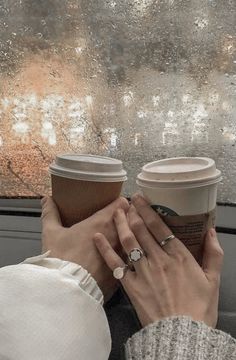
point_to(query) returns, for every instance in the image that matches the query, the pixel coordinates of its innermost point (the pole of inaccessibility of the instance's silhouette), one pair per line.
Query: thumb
(50, 215)
(213, 256)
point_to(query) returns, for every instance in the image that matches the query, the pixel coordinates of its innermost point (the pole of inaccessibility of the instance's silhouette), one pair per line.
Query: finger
(104, 219)
(111, 258)
(50, 215)
(143, 236)
(120, 203)
(127, 239)
(213, 256)
(157, 227)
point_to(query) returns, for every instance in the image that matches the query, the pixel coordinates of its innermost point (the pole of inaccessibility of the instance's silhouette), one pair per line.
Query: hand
(75, 243)
(167, 281)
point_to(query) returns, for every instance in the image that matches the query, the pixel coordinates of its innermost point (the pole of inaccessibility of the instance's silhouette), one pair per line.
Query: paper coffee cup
(84, 184)
(183, 191)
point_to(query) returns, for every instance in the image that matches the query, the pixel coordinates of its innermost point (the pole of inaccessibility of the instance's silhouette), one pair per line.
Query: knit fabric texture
(180, 338)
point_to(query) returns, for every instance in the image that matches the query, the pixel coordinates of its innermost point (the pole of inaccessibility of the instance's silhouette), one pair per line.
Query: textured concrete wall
(138, 80)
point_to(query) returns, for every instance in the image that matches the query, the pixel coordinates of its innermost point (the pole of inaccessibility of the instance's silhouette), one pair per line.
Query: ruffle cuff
(85, 280)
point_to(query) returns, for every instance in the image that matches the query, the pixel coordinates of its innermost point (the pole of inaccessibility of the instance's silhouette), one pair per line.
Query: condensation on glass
(138, 80)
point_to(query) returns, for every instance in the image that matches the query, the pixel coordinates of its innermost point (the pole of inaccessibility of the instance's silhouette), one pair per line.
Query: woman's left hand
(75, 244)
(167, 280)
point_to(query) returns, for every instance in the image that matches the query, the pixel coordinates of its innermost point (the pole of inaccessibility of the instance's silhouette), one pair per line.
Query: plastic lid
(88, 167)
(179, 172)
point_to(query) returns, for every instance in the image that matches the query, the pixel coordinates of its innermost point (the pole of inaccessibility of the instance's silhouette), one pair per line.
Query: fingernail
(97, 237)
(44, 200)
(118, 212)
(212, 232)
(137, 198)
(123, 204)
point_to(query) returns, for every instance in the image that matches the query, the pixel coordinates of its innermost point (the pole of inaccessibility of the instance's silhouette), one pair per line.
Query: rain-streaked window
(137, 80)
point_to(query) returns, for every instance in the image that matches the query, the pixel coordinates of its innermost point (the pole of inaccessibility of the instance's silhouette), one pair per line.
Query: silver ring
(120, 272)
(166, 240)
(136, 254)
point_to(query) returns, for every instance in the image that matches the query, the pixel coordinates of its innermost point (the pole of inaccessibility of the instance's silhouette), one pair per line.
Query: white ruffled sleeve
(51, 310)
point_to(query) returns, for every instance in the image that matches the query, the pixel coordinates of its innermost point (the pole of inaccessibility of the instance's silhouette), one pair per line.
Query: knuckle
(136, 224)
(181, 257)
(161, 266)
(106, 224)
(152, 222)
(128, 240)
(215, 279)
(164, 267)
(123, 203)
(219, 252)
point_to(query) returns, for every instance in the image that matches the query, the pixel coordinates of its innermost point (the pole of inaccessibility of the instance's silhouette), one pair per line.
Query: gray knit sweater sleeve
(180, 338)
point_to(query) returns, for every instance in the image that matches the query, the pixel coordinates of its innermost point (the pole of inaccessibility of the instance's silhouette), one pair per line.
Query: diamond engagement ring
(166, 240)
(136, 254)
(120, 272)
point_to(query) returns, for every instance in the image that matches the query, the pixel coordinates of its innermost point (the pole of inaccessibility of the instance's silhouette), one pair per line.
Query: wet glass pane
(138, 80)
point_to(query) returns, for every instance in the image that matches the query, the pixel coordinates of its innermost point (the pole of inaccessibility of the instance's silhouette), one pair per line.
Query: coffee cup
(83, 184)
(183, 191)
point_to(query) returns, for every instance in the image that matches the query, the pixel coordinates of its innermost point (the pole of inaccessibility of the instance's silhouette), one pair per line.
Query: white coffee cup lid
(179, 172)
(88, 167)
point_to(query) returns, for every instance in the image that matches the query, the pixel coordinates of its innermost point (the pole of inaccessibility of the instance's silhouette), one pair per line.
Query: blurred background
(138, 80)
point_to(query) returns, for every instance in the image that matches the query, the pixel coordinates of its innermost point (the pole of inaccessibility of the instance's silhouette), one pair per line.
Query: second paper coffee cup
(84, 184)
(184, 192)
